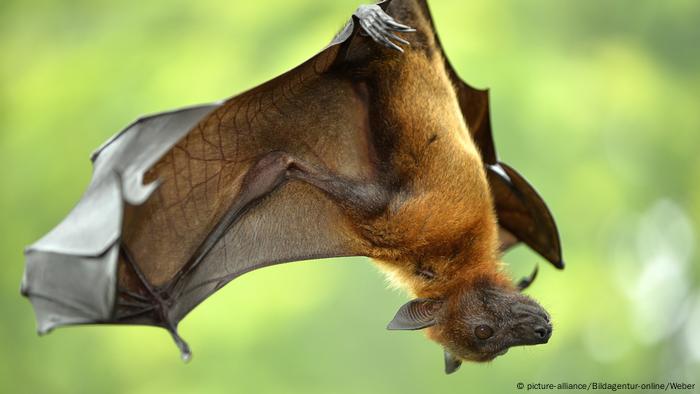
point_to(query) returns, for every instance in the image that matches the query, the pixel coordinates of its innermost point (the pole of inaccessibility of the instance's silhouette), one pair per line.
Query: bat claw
(185, 352)
(525, 282)
(380, 26)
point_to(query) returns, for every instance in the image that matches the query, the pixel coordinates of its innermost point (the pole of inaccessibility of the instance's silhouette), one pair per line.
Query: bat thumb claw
(185, 352)
(186, 356)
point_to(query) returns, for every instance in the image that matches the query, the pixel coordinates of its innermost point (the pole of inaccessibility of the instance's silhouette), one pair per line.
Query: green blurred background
(596, 102)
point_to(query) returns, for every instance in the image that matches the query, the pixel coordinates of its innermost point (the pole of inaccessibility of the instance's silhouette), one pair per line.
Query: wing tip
(559, 264)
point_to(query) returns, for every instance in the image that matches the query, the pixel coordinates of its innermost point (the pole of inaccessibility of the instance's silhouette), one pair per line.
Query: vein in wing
(294, 223)
(202, 174)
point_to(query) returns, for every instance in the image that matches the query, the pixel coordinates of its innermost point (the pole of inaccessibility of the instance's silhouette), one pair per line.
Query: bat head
(477, 322)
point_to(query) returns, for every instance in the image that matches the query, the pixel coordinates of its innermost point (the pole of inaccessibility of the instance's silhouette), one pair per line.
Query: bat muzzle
(533, 325)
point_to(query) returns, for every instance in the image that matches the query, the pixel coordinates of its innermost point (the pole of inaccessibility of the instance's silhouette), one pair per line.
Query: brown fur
(447, 225)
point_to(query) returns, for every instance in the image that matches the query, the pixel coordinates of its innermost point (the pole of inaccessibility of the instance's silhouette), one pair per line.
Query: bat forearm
(360, 199)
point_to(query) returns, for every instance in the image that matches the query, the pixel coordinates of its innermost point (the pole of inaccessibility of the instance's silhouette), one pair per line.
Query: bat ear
(415, 314)
(452, 363)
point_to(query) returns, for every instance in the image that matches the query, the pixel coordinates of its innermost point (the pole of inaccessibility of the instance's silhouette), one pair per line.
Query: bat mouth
(527, 335)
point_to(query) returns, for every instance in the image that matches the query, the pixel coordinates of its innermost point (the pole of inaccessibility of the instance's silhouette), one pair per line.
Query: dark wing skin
(522, 214)
(135, 254)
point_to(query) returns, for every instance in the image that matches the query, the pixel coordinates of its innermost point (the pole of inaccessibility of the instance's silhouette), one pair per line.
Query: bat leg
(362, 198)
(156, 302)
(380, 26)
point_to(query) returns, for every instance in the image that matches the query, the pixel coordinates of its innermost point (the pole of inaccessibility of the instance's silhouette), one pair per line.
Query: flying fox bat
(373, 147)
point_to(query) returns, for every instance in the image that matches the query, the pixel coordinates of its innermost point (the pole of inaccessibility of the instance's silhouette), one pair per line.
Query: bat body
(361, 150)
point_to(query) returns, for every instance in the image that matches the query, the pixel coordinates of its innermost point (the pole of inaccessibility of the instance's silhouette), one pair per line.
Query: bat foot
(155, 303)
(380, 26)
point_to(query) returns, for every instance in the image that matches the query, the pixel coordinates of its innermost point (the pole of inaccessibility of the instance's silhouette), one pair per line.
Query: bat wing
(522, 213)
(167, 218)
(523, 216)
(70, 273)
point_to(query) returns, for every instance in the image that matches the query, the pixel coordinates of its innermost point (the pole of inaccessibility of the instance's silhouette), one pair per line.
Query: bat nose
(542, 332)
(534, 325)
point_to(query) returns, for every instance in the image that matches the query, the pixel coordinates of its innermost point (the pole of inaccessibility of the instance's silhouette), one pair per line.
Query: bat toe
(379, 25)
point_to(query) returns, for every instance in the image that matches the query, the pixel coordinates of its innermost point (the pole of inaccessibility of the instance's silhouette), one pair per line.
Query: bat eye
(483, 331)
